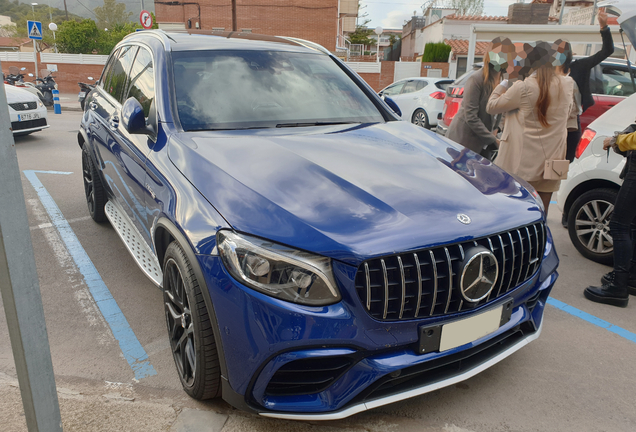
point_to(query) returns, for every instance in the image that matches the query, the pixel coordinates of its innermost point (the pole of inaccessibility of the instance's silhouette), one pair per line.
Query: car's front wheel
(420, 118)
(93, 188)
(189, 327)
(588, 225)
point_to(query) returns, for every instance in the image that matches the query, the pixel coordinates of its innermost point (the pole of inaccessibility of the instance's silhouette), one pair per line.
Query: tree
(78, 37)
(393, 38)
(111, 14)
(468, 7)
(108, 39)
(436, 52)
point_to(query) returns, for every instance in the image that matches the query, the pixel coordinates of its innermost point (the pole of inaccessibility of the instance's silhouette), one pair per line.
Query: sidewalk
(68, 102)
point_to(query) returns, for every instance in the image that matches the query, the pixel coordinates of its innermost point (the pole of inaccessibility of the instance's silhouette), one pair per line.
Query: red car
(610, 83)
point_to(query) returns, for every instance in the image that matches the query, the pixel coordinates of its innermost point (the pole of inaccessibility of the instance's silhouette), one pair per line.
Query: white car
(27, 112)
(421, 100)
(586, 199)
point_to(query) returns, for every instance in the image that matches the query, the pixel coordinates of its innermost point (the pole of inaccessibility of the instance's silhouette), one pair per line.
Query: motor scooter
(46, 85)
(85, 89)
(16, 78)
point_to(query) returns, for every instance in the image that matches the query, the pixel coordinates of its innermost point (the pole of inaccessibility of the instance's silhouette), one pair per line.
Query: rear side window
(119, 75)
(142, 80)
(108, 70)
(410, 87)
(616, 82)
(421, 84)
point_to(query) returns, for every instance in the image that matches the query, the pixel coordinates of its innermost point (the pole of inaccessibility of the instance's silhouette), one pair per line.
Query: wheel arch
(586, 187)
(165, 233)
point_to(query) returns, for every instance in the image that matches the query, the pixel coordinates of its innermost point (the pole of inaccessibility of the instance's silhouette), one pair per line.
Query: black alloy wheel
(189, 327)
(588, 225)
(93, 188)
(420, 118)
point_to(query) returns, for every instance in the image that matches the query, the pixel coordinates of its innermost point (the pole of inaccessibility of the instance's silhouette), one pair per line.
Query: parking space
(577, 376)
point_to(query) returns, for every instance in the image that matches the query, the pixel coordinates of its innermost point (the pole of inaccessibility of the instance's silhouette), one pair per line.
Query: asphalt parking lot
(578, 376)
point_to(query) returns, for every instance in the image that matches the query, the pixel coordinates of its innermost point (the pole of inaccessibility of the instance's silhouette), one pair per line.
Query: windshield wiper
(283, 125)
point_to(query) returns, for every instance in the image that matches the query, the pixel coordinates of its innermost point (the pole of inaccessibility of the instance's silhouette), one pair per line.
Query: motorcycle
(46, 86)
(16, 78)
(85, 89)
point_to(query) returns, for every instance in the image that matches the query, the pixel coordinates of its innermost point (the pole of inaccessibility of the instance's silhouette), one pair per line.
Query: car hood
(351, 193)
(15, 94)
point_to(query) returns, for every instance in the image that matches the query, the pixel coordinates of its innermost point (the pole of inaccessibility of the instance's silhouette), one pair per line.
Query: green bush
(436, 52)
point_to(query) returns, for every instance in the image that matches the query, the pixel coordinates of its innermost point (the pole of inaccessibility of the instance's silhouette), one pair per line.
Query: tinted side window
(120, 72)
(410, 87)
(421, 85)
(142, 80)
(617, 82)
(108, 70)
(394, 89)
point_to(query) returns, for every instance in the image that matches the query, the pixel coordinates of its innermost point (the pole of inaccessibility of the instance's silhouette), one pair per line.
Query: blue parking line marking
(133, 352)
(592, 319)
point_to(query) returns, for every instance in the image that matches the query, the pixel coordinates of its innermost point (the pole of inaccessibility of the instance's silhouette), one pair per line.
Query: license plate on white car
(30, 116)
(81, 95)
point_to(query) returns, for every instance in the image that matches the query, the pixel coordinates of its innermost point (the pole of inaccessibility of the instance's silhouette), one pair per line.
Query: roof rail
(157, 33)
(307, 44)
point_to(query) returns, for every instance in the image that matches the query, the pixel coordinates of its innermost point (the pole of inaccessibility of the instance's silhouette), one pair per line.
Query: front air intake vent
(307, 376)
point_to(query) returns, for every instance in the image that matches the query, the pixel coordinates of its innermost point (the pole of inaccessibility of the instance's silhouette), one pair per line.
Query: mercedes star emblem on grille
(479, 274)
(463, 218)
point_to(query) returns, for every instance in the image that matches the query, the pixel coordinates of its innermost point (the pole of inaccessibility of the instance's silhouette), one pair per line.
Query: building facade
(320, 22)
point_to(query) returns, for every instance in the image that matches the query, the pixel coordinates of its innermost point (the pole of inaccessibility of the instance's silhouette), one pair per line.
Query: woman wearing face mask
(545, 100)
(472, 125)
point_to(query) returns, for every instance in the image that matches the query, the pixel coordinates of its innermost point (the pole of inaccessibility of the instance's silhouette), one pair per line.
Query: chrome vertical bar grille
(426, 283)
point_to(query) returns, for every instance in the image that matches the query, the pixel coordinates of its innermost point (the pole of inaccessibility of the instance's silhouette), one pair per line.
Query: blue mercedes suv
(318, 256)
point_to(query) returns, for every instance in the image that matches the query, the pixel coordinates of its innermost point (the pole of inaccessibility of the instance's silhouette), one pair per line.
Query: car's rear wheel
(588, 225)
(93, 188)
(420, 118)
(189, 327)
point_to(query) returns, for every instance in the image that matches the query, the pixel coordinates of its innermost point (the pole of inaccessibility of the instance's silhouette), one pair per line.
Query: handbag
(556, 169)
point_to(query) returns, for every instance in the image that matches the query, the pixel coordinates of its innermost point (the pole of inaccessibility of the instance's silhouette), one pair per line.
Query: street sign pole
(35, 59)
(20, 292)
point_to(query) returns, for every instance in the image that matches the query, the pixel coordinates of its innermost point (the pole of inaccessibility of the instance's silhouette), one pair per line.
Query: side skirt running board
(135, 243)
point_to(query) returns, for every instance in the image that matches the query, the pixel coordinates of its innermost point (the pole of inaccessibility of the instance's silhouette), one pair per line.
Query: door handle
(92, 106)
(114, 122)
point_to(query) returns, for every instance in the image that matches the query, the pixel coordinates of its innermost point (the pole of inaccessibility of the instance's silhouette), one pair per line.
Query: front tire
(588, 225)
(420, 118)
(93, 187)
(189, 327)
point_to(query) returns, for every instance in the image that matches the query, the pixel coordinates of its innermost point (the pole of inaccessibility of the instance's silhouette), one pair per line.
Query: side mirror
(23, 68)
(30, 74)
(133, 118)
(391, 103)
(90, 78)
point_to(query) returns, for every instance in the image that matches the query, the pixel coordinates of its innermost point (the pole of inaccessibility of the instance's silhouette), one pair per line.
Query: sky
(391, 14)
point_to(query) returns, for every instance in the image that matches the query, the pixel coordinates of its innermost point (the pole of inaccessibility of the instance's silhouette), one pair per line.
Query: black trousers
(622, 226)
(573, 140)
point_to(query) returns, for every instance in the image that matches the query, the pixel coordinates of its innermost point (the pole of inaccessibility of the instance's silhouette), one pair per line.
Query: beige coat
(525, 143)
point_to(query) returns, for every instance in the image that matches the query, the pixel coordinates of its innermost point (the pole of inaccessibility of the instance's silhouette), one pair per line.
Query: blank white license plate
(468, 330)
(81, 94)
(31, 116)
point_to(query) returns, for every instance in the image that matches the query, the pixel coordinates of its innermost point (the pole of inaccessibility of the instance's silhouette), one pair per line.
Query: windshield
(263, 89)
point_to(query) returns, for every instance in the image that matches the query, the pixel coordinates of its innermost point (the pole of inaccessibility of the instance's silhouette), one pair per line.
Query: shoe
(631, 282)
(615, 293)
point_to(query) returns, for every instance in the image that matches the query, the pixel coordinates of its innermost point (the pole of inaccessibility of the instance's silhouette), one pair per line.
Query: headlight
(40, 104)
(531, 189)
(278, 271)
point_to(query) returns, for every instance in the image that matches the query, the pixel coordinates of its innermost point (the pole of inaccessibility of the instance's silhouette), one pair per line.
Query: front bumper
(441, 129)
(19, 126)
(262, 336)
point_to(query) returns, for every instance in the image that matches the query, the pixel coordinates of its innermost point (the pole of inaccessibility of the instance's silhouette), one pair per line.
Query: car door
(122, 162)
(407, 100)
(610, 84)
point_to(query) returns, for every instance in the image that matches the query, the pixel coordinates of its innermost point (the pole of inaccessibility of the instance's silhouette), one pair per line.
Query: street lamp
(53, 28)
(33, 9)
(378, 31)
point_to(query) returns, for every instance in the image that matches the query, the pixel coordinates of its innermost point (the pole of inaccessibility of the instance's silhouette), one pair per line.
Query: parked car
(420, 99)
(318, 257)
(609, 81)
(26, 111)
(586, 198)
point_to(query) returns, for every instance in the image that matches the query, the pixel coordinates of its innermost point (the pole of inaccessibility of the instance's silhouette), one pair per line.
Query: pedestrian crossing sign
(35, 29)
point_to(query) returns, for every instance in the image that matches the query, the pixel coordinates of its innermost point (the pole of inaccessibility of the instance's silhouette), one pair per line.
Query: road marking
(592, 319)
(132, 350)
(49, 225)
